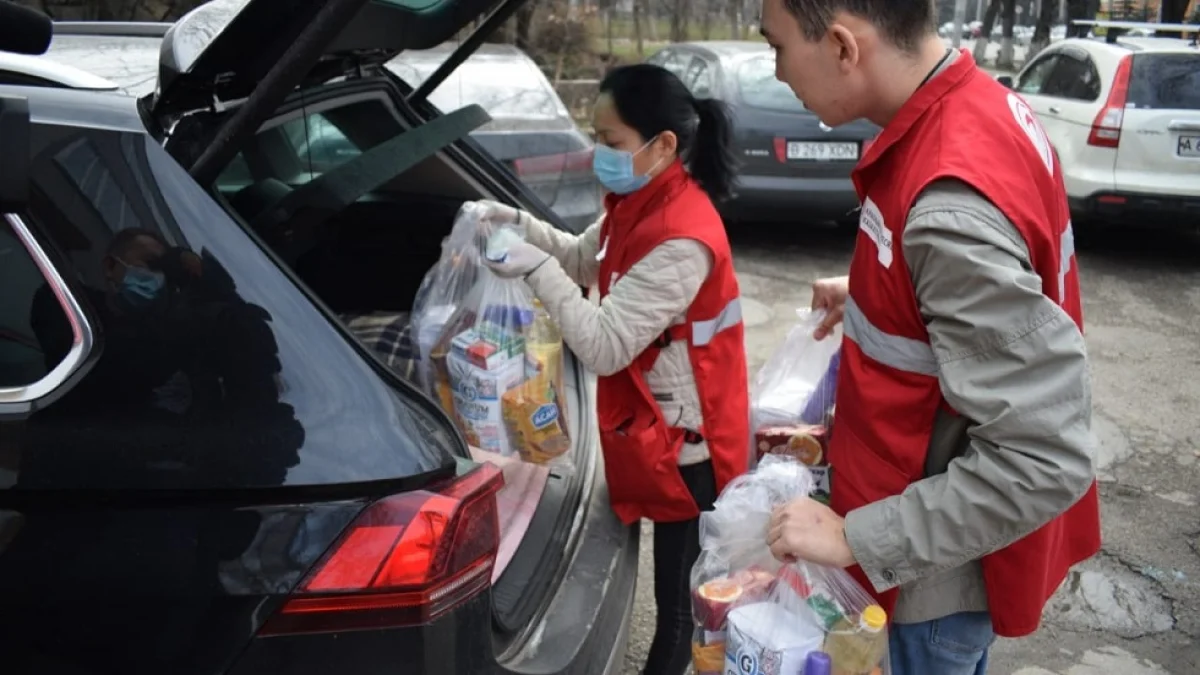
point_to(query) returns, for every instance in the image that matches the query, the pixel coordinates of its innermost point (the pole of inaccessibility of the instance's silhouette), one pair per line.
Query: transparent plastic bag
(444, 289)
(767, 618)
(496, 363)
(793, 397)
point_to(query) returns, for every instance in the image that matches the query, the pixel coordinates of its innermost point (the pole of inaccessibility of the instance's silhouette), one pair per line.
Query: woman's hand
(830, 295)
(521, 260)
(494, 214)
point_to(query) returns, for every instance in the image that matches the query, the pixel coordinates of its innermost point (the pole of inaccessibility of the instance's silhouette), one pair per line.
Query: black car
(795, 169)
(202, 470)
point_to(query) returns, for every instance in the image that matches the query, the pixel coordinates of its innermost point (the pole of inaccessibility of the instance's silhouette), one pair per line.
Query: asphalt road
(1135, 608)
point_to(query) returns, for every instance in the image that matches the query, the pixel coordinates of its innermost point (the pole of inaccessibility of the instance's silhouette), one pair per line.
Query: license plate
(1188, 146)
(822, 152)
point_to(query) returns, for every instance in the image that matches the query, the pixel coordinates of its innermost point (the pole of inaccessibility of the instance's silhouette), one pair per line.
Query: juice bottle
(856, 649)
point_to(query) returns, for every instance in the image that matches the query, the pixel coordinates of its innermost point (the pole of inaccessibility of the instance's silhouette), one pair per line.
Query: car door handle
(1055, 109)
(1181, 125)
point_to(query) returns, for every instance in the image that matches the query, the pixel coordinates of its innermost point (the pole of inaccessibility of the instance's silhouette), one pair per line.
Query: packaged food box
(708, 653)
(764, 638)
(483, 353)
(535, 425)
(478, 393)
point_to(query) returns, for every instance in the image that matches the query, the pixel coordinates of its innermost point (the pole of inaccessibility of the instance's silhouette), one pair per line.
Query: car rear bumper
(788, 199)
(1136, 208)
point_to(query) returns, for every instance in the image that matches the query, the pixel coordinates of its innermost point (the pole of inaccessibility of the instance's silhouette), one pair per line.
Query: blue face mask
(140, 287)
(614, 169)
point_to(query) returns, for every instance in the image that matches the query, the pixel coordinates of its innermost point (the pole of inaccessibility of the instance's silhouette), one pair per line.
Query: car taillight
(866, 145)
(405, 561)
(1106, 129)
(781, 148)
(552, 167)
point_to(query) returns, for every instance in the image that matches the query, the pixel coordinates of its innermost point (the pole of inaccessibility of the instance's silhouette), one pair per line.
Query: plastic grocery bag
(793, 397)
(443, 290)
(756, 616)
(497, 363)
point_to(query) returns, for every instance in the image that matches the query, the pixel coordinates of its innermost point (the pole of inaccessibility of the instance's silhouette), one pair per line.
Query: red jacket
(640, 451)
(962, 125)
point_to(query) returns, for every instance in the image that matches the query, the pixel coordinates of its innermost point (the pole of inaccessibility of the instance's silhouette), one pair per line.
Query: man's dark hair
(903, 22)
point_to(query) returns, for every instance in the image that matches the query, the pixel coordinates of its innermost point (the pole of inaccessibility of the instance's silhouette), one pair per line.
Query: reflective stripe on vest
(703, 332)
(895, 351)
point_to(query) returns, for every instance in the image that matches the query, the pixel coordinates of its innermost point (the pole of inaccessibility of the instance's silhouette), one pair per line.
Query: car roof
(52, 71)
(727, 48)
(1127, 44)
(440, 52)
(80, 108)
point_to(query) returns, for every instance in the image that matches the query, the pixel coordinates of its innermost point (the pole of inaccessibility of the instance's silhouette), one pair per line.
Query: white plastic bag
(757, 616)
(793, 398)
(495, 357)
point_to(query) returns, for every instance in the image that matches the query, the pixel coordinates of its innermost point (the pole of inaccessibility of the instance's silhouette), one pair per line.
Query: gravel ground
(1135, 608)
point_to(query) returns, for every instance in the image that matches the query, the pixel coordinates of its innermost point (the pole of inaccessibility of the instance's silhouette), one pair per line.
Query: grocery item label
(544, 416)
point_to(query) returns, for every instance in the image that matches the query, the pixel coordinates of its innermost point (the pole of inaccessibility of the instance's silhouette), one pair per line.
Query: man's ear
(845, 45)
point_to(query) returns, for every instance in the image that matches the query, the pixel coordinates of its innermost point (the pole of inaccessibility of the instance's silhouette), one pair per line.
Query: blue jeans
(953, 645)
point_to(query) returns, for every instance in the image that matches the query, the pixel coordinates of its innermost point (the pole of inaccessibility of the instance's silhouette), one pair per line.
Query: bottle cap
(818, 663)
(873, 618)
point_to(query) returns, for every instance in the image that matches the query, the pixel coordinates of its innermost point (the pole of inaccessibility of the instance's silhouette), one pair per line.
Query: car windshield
(760, 89)
(1165, 82)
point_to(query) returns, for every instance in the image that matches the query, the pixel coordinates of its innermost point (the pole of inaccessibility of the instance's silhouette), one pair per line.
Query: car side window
(1034, 78)
(1073, 78)
(698, 78)
(674, 62)
(35, 332)
(318, 143)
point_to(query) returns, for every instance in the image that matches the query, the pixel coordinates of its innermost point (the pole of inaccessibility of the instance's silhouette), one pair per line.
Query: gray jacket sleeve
(1014, 364)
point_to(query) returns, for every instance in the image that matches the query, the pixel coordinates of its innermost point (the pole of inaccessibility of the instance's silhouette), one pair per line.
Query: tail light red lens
(866, 145)
(406, 560)
(1106, 129)
(553, 167)
(780, 149)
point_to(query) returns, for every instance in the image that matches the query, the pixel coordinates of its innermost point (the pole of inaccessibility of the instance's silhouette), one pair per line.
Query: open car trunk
(365, 259)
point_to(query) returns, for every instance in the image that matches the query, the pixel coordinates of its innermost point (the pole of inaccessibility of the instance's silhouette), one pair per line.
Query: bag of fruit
(757, 616)
(793, 395)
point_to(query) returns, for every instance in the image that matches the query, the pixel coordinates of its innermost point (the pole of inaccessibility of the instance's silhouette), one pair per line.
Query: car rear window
(504, 85)
(1165, 82)
(760, 89)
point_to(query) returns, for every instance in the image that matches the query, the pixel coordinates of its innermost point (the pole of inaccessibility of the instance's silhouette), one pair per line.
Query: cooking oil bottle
(858, 648)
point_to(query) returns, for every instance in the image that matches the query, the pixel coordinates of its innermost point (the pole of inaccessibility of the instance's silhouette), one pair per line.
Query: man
(963, 478)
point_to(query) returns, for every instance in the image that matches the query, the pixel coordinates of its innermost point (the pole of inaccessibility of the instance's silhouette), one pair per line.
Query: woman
(666, 339)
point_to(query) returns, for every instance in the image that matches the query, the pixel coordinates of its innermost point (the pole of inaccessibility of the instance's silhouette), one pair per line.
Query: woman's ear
(668, 143)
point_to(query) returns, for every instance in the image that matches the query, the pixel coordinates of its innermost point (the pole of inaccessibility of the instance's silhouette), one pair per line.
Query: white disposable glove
(513, 257)
(496, 214)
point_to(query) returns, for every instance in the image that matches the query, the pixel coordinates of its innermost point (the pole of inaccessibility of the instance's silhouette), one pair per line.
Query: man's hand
(805, 529)
(521, 260)
(830, 295)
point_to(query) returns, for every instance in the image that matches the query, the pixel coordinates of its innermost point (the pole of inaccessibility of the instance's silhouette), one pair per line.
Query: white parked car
(1124, 119)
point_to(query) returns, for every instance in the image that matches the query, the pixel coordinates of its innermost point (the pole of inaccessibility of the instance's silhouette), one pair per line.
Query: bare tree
(985, 31)
(677, 12)
(1008, 19)
(637, 27)
(1041, 31)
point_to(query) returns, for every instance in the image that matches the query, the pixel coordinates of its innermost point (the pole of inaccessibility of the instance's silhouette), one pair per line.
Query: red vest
(964, 125)
(641, 451)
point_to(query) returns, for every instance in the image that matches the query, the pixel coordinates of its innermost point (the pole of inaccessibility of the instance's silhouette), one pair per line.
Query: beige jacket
(606, 337)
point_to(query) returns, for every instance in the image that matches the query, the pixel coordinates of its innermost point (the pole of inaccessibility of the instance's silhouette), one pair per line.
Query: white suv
(1124, 118)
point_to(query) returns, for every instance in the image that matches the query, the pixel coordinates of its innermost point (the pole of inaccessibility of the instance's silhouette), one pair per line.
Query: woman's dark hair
(651, 99)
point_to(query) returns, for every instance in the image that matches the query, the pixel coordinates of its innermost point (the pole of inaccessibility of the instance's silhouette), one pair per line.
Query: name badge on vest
(870, 221)
(603, 250)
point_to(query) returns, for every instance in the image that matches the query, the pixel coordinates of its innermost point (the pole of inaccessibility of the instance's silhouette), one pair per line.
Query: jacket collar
(921, 101)
(630, 208)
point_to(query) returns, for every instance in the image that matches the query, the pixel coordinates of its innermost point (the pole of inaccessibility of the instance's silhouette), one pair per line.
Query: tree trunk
(706, 21)
(608, 28)
(637, 27)
(1009, 19)
(985, 31)
(679, 20)
(524, 25)
(1041, 31)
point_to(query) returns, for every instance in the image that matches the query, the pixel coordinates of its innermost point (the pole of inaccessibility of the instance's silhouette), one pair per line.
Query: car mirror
(14, 153)
(1005, 80)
